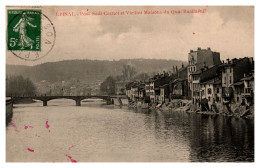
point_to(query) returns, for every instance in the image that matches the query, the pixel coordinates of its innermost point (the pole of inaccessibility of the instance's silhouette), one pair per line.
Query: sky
(228, 30)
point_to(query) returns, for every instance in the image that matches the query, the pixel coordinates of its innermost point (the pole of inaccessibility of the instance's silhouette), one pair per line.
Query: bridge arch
(77, 99)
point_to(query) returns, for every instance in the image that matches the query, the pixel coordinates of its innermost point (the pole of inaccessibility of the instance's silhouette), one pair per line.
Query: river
(95, 132)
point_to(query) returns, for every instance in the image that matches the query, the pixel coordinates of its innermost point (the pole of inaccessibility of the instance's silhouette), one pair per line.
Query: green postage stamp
(24, 29)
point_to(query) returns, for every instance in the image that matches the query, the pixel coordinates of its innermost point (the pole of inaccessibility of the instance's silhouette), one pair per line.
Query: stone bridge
(77, 99)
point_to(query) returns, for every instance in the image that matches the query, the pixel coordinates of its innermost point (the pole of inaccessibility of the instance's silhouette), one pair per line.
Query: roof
(217, 82)
(238, 83)
(164, 85)
(209, 74)
(177, 80)
(233, 62)
(214, 81)
(248, 78)
(196, 72)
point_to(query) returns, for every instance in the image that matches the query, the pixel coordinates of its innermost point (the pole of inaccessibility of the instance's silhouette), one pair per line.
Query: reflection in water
(97, 132)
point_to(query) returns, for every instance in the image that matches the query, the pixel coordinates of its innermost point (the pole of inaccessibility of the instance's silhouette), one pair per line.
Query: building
(197, 60)
(128, 89)
(161, 82)
(179, 84)
(120, 87)
(248, 94)
(232, 73)
(210, 86)
(164, 94)
(149, 90)
(141, 91)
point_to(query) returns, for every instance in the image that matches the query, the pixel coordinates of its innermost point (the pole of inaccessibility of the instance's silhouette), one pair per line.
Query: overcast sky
(228, 30)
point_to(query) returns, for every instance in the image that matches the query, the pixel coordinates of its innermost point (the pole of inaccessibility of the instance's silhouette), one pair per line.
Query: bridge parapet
(46, 98)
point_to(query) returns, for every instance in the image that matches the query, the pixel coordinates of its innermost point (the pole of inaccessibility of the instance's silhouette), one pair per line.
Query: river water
(95, 132)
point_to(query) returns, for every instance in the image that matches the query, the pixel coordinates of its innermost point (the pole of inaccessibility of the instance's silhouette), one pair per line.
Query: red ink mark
(31, 150)
(13, 125)
(49, 130)
(72, 160)
(193, 33)
(71, 147)
(26, 127)
(47, 125)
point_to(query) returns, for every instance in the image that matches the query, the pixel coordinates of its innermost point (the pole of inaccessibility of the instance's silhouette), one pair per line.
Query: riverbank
(24, 101)
(9, 110)
(180, 105)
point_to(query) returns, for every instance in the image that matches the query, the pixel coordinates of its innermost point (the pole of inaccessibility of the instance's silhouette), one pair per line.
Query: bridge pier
(44, 102)
(78, 102)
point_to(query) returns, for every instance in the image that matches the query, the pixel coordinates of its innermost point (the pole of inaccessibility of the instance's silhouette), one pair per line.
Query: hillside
(88, 70)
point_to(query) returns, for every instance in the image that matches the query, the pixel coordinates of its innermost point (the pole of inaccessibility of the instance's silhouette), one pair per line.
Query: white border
(120, 3)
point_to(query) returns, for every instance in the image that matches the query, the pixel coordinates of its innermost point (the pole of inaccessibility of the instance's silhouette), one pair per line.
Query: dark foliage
(108, 86)
(19, 86)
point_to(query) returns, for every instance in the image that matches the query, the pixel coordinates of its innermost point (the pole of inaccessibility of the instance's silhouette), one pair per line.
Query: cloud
(154, 36)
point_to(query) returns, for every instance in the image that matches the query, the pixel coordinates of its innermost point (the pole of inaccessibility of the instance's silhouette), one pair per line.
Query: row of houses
(204, 78)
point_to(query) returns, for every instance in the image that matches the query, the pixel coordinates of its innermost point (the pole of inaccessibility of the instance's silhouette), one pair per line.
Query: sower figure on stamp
(21, 27)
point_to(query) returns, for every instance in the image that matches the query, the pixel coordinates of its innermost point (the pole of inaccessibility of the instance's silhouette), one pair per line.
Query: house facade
(197, 60)
(232, 73)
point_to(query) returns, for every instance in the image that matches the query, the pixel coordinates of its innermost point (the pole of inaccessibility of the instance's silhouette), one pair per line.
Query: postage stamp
(24, 30)
(30, 33)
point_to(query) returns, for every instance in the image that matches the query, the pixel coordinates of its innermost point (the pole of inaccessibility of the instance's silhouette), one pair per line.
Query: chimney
(191, 51)
(199, 48)
(228, 60)
(223, 62)
(208, 48)
(182, 65)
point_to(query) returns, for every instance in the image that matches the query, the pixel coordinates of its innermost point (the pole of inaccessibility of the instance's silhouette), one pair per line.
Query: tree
(19, 86)
(108, 86)
(128, 72)
(142, 77)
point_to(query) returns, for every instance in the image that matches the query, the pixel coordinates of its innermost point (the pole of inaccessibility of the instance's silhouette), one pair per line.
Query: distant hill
(89, 70)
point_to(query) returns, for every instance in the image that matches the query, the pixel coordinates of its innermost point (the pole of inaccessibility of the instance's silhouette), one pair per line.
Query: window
(209, 98)
(202, 93)
(230, 79)
(230, 70)
(225, 80)
(217, 90)
(237, 99)
(209, 90)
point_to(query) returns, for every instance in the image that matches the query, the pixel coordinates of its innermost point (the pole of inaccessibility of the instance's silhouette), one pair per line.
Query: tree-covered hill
(89, 70)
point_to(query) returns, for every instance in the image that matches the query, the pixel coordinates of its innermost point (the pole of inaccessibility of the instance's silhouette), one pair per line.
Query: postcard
(130, 84)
